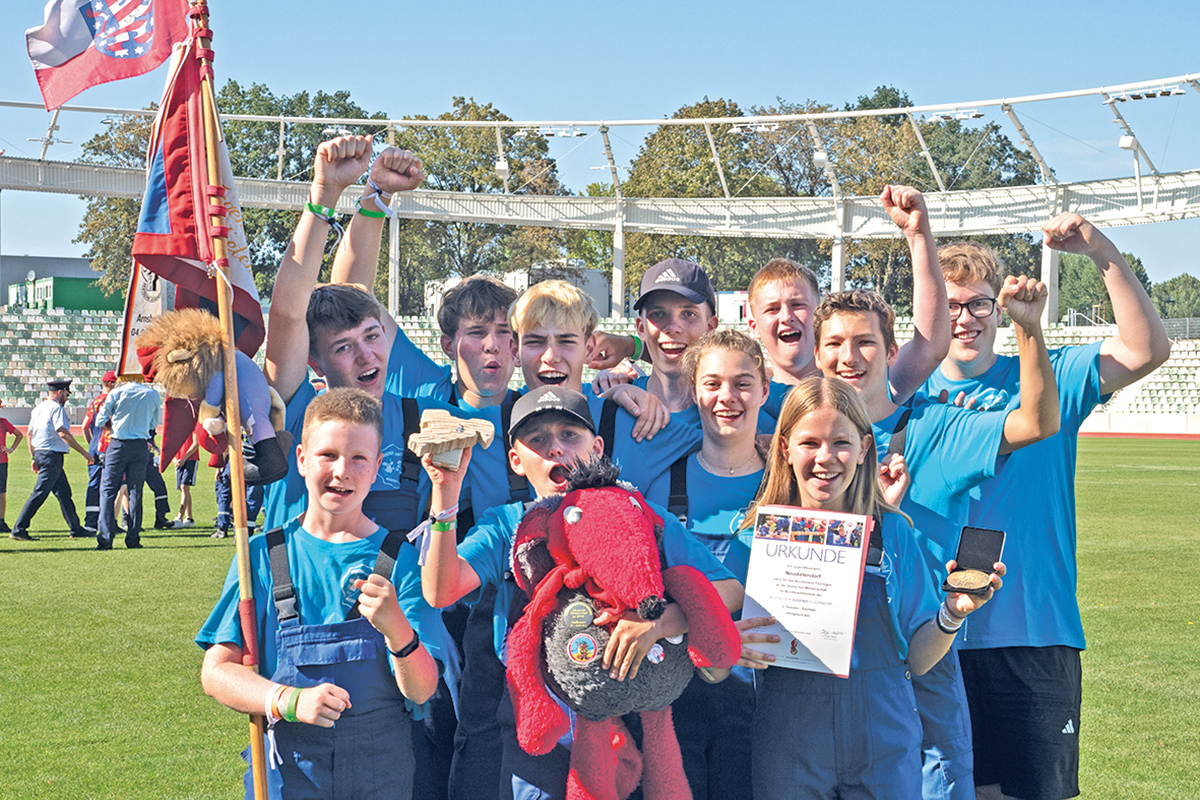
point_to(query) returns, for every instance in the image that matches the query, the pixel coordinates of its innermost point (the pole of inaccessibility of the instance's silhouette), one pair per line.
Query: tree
(1177, 298)
(676, 161)
(109, 222)
(1080, 286)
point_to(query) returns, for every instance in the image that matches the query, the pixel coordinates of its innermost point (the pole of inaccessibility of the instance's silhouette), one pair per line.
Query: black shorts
(1025, 704)
(185, 474)
(4, 478)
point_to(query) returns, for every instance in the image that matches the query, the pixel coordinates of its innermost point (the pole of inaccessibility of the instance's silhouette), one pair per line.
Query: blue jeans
(125, 461)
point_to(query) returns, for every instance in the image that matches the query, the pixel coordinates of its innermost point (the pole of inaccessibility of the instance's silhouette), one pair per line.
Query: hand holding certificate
(806, 570)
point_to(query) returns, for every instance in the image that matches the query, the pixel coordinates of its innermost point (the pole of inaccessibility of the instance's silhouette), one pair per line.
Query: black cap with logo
(550, 398)
(685, 278)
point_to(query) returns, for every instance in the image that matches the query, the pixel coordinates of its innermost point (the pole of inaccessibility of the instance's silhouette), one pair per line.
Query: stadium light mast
(617, 305)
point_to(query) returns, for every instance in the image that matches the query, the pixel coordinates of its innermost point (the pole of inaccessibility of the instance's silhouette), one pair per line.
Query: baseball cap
(685, 278)
(550, 398)
(109, 377)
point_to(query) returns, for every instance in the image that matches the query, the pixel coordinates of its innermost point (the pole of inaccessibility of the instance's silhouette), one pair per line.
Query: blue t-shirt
(412, 373)
(911, 595)
(1033, 500)
(776, 393)
(394, 501)
(323, 573)
(716, 504)
(949, 451)
(642, 463)
(488, 549)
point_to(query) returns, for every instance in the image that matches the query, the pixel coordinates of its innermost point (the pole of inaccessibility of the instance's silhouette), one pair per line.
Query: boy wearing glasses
(1020, 656)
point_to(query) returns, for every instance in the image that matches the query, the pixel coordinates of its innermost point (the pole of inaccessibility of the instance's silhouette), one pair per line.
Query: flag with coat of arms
(83, 43)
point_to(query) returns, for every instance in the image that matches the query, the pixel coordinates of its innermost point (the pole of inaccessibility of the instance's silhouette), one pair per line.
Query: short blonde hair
(964, 263)
(345, 405)
(554, 303)
(782, 269)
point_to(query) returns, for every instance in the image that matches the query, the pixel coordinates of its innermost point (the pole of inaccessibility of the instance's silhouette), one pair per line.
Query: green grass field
(99, 680)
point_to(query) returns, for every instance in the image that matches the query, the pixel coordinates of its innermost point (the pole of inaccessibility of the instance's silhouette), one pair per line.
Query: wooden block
(445, 436)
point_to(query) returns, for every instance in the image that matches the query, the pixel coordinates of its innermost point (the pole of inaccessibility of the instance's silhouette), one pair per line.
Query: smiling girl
(817, 735)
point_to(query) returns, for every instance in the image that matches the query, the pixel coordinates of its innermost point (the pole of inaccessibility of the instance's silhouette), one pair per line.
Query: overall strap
(518, 599)
(677, 502)
(895, 447)
(385, 563)
(518, 486)
(411, 465)
(283, 592)
(608, 425)
(875, 548)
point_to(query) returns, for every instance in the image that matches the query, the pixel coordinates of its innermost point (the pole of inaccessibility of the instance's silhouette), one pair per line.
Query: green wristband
(367, 212)
(323, 212)
(289, 713)
(444, 526)
(638, 347)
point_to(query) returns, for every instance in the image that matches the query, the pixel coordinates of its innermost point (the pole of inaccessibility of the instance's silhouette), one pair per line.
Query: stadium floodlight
(821, 159)
(939, 116)
(972, 114)
(1136, 95)
(333, 130)
(502, 169)
(1127, 143)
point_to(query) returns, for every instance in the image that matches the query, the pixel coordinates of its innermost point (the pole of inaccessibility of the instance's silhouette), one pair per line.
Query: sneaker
(4, 527)
(219, 534)
(22, 536)
(184, 523)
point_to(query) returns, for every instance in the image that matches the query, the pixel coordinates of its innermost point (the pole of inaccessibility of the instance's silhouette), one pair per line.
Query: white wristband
(947, 622)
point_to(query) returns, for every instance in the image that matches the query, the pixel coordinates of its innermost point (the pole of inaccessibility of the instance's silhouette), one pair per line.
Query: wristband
(272, 704)
(367, 212)
(444, 527)
(321, 212)
(289, 713)
(408, 649)
(638, 347)
(449, 513)
(948, 623)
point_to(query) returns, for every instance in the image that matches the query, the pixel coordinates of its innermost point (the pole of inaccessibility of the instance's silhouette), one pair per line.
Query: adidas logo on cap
(668, 276)
(549, 397)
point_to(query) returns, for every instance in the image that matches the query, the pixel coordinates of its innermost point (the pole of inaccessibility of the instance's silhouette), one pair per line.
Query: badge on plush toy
(599, 548)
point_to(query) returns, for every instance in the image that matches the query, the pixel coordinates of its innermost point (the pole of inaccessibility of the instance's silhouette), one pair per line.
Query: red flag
(174, 233)
(84, 43)
(174, 237)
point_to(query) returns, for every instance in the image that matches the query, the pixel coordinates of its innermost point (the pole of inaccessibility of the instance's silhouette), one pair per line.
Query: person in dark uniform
(134, 410)
(49, 440)
(97, 439)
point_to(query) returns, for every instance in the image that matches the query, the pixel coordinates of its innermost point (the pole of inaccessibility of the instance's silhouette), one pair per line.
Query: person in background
(6, 428)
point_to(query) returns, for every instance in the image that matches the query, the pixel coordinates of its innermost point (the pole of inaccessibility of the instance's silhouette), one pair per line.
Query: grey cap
(550, 398)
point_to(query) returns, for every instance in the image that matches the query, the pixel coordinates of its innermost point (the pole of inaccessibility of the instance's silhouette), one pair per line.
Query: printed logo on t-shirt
(735, 521)
(350, 592)
(990, 399)
(391, 468)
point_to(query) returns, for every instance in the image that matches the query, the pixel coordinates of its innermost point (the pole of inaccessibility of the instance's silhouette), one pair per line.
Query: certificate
(806, 570)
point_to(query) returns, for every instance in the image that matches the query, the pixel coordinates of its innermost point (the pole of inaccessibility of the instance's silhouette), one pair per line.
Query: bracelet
(449, 513)
(948, 623)
(321, 212)
(444, 526)
(638, 347)
(408, 649)
(273, 713)
(289, 713)
(367, 212)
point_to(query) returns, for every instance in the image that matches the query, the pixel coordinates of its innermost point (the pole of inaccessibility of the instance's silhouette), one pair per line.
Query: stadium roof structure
(1149, 195)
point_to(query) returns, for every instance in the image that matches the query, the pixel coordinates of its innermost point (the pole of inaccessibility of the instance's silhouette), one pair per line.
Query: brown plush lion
(183, 350)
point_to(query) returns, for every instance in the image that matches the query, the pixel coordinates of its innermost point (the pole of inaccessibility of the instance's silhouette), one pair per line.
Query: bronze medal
(968, 579)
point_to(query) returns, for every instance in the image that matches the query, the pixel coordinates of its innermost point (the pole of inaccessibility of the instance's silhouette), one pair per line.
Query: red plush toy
(599, 548)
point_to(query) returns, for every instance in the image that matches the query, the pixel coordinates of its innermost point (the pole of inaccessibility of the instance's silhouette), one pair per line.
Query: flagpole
(237, 472)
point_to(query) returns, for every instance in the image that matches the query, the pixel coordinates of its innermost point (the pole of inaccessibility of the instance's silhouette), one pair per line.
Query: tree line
(672, 161)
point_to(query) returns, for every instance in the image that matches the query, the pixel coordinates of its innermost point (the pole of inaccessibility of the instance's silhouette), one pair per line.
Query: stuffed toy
(183, 350)
(597, 548)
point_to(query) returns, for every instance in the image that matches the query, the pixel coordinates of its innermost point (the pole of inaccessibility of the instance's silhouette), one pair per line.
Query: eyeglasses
(979, 307)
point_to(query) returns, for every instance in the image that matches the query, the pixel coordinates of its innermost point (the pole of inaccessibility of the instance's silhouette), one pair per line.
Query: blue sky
(626, 60)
